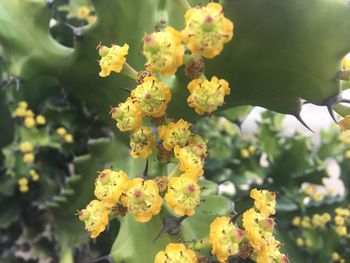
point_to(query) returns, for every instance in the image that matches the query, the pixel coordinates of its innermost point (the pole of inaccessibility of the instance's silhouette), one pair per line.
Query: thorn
(331, 112)
(298, 117)
(171, 225)
(235, 216)
(126, 89)
(145, 171)
(344, 101)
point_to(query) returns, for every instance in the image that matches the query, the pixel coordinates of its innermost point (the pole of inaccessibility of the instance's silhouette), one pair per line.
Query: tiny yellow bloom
(151, 97)
(23, 188)
(127, 115)
(175, 134)
(344, 124)
(22, 104)
(95, 217)
(225, 238)
(164, 51)
(296, 221)
(198, 146)
(345, 63)
(142, 199)
(341, 231)
(112, 59)
(339, 220)
(61, 131)
(28, 158)
(83, 12)
(109, 186)
(34, 175)
(23, 185)
(29, 113)
(142, 142)
(40, 120)
(264, 201)
(176, 253)
(29, 122)
(68, 138)
(20, 112)
(251, 149)
(300, 242)
(244, 153)
(207, 30)
(183, 195)
(23, 181)
(26, 147)
(206, 96)
(190, 163)
(335, 256)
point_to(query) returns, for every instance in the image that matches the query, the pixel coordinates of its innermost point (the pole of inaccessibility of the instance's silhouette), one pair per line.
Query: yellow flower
(176, 253)
(339, 220)
(68, 138)
(127, 115)
(151, 97)
(175, 134)
(28, 158)
(40, 120)
(23, 185)
(34, 175)
(344, 137)
(335, 256)
(264, 201)
(347, 154)
(29, 113)
(306, 222)
(300, 242)
(22, 104)
(29, 122)
(61, 131)
(342, 211)
(20, 112)
(341, 231)
(206, 96)
(109, 186)
(183, 195)
(225, 238)
(344, 124)
(164, 51)
(95, 217)
(142, 142)
(26, 146)
(245, 153)
(23, 181)
(345, 63)
(198, 146)
(23, 188)
(207, 30)
(251, 149)
(142, 199)
(112, 59)
(296, 221)
(83, 12)
(190, 163)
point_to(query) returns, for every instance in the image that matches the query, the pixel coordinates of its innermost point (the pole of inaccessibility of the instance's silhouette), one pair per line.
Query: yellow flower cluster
(344, 124)
(127, 116)
(337, 258)
(207, 95)
(175, 134)
(258, 228)
(30, 120)
(62, 133)
(26, 148)
(142, 142)
(176, 253)
(23, 185)
(316, 221)
(112, 59)
(86, 13)
(342, 221)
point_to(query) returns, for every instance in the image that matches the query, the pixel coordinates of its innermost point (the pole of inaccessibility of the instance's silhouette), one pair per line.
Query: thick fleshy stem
(199, 244)
(183, 4)
(129, 71)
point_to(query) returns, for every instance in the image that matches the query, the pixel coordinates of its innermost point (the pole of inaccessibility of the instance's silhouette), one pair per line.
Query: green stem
(175, 172)
(66, 254)
(199, 244)
(183, 4)
(129, 71)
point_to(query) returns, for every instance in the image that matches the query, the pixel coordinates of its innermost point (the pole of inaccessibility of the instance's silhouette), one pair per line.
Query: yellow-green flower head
(176, 253)
(344, 124)
(207, 30)
(320, 221)
(34, 175)
(28, 158)
(112, 59)
(20, 112)
(142, 199)
(198, 146)
(26, 147)
(142, 142)
(40, 120)
(95, 217)
(341, 231)
(151, 97)
(264, 201)
(109, 186)
(342, 211)
(175, 134)
(225, 238)
(190, 163)
(29, 122)
(206, 96)
(183, 195)
(164, 51)
(127, 115)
